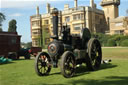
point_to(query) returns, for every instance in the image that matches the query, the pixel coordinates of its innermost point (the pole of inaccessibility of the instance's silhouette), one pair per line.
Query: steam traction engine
(70, 50)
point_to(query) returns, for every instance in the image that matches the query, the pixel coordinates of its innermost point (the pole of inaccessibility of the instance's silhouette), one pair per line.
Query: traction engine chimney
(55, 23)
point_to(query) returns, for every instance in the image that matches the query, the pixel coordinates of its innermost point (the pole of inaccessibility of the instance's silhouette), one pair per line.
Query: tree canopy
(12, 26)
(1, 30)
(27, 45)
(2, 18)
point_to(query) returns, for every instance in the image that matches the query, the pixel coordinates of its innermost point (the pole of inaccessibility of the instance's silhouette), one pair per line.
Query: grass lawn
(22, 72)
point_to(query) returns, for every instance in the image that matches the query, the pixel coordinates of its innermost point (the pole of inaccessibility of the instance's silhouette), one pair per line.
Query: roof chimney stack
(92, 3)
(48, 8)
(37, 10)
(66, 7)
(75, 3)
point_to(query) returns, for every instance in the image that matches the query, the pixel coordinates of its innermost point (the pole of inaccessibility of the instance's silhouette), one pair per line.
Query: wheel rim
(95, 54)
(69, 65)
(43, 65)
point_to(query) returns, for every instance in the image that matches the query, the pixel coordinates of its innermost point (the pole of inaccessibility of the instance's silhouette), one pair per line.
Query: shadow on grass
(53, 84)
(113, 80)
(57, 73)
(7, 63)
(13, 61)
(107, 66)
(22, 59)
(82, 70)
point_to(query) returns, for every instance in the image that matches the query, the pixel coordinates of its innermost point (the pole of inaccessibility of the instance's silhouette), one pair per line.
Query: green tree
(28, 44)
(12, 26)
(2, 18)
(1, 30)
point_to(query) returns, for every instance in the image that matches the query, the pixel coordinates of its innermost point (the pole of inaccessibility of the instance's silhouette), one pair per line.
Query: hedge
(124, 43)
(111, 42)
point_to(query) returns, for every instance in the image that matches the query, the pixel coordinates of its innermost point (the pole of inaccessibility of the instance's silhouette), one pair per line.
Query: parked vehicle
(9, 44)
(34, 50)
(23, 52)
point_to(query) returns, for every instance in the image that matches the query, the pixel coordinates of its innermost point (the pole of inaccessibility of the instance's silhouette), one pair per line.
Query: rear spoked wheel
(94, 54)
(42, 64)
(67, 64)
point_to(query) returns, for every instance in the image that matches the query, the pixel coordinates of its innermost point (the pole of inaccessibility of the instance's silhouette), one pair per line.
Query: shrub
(123, 38)
(111, 42)
(124, 43)
(102, 38)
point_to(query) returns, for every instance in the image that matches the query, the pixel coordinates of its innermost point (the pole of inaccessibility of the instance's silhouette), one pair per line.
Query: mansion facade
(96, 20)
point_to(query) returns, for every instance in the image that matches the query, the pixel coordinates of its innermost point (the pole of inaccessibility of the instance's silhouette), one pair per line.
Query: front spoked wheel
(42, 64)
(67, 64)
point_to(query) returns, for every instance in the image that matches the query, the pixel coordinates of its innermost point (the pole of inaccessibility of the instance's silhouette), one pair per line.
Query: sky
(21, 10)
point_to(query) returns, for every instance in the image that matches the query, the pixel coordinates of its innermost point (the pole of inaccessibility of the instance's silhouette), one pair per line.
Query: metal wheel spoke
(40, 67)
(72, 61)
(39, 60)
(44, 69)
(97, 62)
(69, 59)
(38, 64)
(97, 49)
(93, 50)
(41, 70)
(93, 62)
(68, 71)
(68, 66)
(93, 53)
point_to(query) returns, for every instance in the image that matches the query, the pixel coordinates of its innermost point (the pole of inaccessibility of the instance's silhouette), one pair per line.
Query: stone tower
(110, 8)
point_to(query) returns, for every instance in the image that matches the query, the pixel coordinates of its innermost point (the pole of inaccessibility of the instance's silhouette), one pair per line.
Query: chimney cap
(48, 4)
(54, 11)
